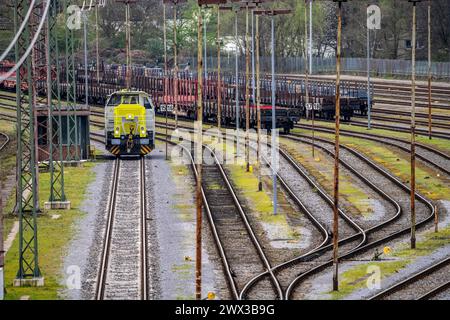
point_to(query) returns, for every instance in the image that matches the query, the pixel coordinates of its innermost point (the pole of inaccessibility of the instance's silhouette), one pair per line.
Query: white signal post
(274, 165)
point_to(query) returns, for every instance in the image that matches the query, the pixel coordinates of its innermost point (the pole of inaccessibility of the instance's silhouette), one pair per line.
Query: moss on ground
(321, 167)
(53, 235)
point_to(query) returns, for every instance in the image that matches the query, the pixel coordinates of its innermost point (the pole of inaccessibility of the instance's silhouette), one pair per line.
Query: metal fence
(356, 66)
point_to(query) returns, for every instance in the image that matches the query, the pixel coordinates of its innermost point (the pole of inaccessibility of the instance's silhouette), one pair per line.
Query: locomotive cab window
(113, 101)
(130, 100)
(147, 103)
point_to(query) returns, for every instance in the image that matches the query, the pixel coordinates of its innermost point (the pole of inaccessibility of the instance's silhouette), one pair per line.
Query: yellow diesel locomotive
(129, 123)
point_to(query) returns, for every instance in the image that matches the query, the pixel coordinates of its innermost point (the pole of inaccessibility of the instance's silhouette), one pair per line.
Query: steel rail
(231, 280)
(103, 271)
(101, 279)
(144, 252)
(353, 237)
(416, 277)
(7, 140)
(323, 247)
(378, 138)
(435, 291)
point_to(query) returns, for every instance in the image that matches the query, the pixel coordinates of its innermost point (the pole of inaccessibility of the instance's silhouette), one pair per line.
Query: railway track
(348, 243)
(423, 132)
(322, 247)
(425, 210)
(377, 235)
(4, 140)
(238, 242)
(124, 265)
(443, 289)
(386, 118)
(363, 246)
(422, 285)
(427, 154)
(408, 114)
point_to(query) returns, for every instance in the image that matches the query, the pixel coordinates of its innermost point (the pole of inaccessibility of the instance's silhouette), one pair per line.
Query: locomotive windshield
(117, 99)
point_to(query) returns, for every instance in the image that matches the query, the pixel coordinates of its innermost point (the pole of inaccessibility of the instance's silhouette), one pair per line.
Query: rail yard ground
(290, 243)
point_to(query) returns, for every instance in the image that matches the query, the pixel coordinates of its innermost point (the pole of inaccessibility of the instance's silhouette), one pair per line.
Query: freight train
(291, 104)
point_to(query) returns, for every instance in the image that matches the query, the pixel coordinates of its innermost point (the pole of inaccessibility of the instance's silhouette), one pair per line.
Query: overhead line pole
(310, 37)
(128, 40)
(413, 127)
(429, 70)
(175, 61)
(57, 189)
(307, 76)
(165, 76)
(199, 160)
(247, 89)
(247, 79)
(72, 121)
(336, 152)
(219, 80)
(26, 200)
(97, 44)
(258, 107)
(369, 107)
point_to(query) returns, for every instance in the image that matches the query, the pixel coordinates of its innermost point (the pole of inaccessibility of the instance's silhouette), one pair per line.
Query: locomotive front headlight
(143, 130)
(117, 130)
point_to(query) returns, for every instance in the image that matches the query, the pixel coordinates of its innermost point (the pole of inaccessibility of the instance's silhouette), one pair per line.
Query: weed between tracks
(54, 234)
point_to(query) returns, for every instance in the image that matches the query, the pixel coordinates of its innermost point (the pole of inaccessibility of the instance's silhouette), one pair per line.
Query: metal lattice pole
(57, 193)
(72, 122)
(26, 161)
(38, 88)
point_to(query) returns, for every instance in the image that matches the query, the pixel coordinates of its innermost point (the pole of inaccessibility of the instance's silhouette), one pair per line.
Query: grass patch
(356, 277)
(53, 235)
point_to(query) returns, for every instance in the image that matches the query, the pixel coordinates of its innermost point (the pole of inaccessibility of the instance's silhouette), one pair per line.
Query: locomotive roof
(129, 92)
